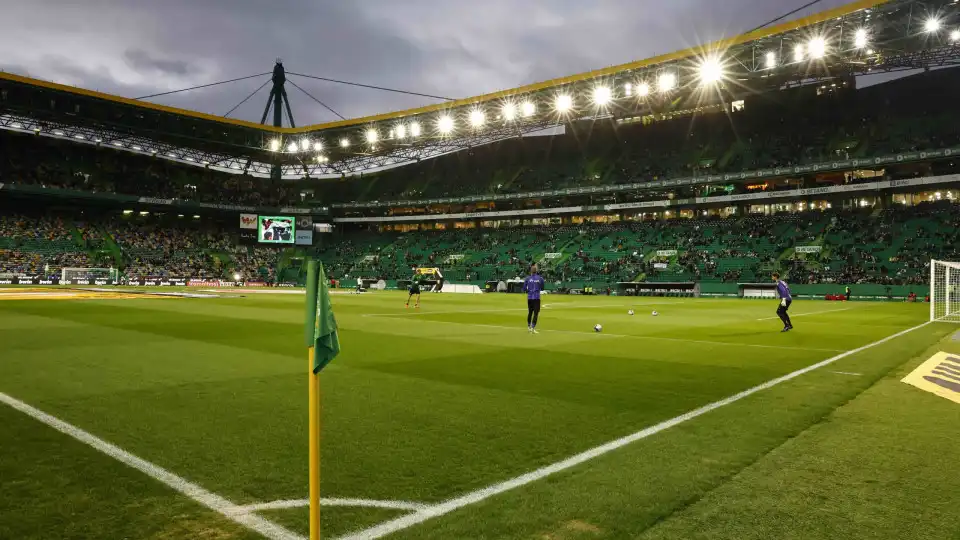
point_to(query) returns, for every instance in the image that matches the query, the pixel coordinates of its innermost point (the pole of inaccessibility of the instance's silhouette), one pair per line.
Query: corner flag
(325, 340)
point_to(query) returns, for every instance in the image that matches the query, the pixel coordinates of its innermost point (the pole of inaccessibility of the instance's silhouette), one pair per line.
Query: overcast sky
(454, 48)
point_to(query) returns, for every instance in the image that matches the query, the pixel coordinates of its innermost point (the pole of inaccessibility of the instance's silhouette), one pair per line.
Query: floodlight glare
(292, 147)
(304, 144)
(445, 125)
(563, 103)
(711, 71)
(817, 47)
(798, 53)
(932, 25)
(317, 146)
(344, 142)
(415, 129)
(628, 89)
(643, 90)
(602, 96)
(771, 60)
(667, 82)
(372, 136)
(274, 145)
(955, 36)
(860, 38)
(509, 111)
(477, 118)
(401, 131)
(528, 109)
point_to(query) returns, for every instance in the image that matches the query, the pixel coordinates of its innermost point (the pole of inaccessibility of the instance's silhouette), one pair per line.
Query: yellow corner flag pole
(314, 415)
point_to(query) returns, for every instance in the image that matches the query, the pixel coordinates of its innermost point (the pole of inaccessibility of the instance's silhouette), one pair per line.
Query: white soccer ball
(598, 328)
(630, 312)
(654, 313)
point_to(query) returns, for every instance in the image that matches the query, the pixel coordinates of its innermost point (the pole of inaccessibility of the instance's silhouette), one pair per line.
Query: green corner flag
(325, 341)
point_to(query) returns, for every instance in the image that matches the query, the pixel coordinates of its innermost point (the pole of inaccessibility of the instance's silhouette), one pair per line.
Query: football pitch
(140, 417)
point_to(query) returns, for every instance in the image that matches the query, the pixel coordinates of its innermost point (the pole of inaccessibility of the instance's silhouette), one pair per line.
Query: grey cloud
(143, 61)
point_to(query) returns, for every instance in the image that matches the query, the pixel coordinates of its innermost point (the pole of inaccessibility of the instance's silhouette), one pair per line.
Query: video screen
(276, 230)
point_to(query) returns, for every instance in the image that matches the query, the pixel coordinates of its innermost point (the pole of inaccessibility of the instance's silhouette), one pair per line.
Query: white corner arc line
(437, 510)
(208, 499)
(808, 314)
(334, 501)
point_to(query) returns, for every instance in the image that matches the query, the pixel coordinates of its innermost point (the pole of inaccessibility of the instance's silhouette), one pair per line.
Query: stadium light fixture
(477, 118)
(292, 147)
(932, 25)
(414, 129)
(317, 146)
(445, 125)
(860, 38)
(667, 81)
(563, 103)
(711, 71)
(817, 47)
(798, 53)
(528, 109)
(372, 136)
(274, 145)
(401, 131)
(643, 89)
(955, 36)
(509, 111)
(344, 142)
(771, 60)
(304, 144)
(628, 89)
(602, 96)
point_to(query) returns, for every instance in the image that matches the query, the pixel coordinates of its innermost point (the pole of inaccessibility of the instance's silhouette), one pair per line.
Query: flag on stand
(325, 340)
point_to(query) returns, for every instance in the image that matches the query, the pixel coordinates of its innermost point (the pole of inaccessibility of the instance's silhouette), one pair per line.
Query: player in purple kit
(783, 292)
(533, 286)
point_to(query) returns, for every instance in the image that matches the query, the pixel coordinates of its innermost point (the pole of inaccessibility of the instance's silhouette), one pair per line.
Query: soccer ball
(598, 328)
(654, 313)
(630, 312)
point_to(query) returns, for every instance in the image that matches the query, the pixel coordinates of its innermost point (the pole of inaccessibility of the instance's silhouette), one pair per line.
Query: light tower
(279, 101)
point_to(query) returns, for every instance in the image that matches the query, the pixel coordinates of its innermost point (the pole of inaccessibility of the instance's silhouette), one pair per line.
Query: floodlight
(817, 47)
(401, 131)
(955, 36)
(292, 147)
(771, 59)
(798, 53)
(477, 118)
(344, 142)
(509, 111)
(372, 136)
(317, 146)
(711, 71)
(445, 124)
(304, 144)
(667, 81)
(643, 90)
(236, 277)
(932, 25)
(628, 89)
(860, 38)
(602, 96)
(528, 109)
(274, 145)
(564, 103)
(322, 159)
(414, 129)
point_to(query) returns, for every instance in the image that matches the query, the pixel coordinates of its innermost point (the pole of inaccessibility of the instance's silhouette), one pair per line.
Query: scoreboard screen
(276, 229)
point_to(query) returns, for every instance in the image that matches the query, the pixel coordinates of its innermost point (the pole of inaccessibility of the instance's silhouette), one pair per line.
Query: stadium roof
(860, 37)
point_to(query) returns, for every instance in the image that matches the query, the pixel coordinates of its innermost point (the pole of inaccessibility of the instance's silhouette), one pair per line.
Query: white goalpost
(90, 274)
(944, 291)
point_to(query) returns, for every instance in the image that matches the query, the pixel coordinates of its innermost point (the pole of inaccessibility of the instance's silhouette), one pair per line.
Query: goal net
(944, 291)
(88, 274)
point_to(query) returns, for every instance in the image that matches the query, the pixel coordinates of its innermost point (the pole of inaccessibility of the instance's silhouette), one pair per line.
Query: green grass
(425, 406)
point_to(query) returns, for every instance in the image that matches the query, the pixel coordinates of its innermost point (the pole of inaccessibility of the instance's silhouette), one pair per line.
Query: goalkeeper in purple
(533, 286)
(783, 292)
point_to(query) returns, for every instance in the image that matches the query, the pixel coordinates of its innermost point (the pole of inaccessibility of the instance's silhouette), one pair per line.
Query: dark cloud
(452, 48)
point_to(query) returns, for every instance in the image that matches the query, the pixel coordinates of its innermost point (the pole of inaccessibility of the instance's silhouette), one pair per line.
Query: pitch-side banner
(248, 221)
(808, 249)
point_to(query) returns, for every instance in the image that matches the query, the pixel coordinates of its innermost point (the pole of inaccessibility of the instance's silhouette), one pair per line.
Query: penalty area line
(807, 314)
(211, 500)
(437, 510)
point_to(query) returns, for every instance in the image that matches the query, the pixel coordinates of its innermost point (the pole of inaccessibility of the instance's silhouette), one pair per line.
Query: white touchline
(564, 305)
(807, 314)
(211, 500)
(437, 510)
(337, 501)
(850, 373)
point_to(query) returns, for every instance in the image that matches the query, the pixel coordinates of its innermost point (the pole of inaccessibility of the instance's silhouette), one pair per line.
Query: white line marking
(299, 503)
(807, 314)
(567, 305)
(401, 523)
(211, 500)
(850, 373)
